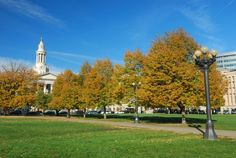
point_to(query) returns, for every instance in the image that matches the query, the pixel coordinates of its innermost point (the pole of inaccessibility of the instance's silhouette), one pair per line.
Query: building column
(44, 88)
(43, 58)
(51, 87)
(232, 91)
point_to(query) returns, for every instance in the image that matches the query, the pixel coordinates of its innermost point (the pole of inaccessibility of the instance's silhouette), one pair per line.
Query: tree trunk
(105, 112)
(5, 111)
(43, 112)
(57, 112)
(68, 113)
(168, 110)
(84, 114)
(183, 117)
(182, 108)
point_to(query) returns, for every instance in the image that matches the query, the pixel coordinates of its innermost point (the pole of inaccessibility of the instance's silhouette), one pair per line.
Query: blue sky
(77, 30)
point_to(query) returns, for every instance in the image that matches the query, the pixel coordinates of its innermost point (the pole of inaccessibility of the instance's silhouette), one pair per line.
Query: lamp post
(204, 59)
(135, 85)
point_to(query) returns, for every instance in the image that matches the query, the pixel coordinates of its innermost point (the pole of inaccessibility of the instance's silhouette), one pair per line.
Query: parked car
(34, 113)
(201, 112)
(15, 112)
(62, 113)
(129, 110)
(92, 112)
(78, 113)
(107, 112)
(226, 112)
(216, 111)
(119, 112)
(49, 113)
(160, 110)
(233, 111)
(176, 111)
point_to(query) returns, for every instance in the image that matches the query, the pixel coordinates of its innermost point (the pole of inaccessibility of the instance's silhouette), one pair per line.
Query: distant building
(226, 61)
(46, 78)
(230, 96)
(226, 64)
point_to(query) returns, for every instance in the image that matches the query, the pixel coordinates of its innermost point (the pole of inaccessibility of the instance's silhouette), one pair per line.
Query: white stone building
(230, 96)
(46, 78)
(226, 64)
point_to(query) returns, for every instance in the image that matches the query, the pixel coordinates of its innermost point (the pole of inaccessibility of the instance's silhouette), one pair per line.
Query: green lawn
(27, 137)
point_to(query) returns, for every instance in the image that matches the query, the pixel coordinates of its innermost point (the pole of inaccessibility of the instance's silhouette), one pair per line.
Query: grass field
(27, 137)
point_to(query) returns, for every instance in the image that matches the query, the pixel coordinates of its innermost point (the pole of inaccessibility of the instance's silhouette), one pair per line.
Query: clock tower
(40, 66)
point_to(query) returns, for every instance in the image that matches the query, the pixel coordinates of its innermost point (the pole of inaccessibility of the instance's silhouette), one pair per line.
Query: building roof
(226, 54)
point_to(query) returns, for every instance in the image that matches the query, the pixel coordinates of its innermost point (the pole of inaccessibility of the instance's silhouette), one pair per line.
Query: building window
(48, 88)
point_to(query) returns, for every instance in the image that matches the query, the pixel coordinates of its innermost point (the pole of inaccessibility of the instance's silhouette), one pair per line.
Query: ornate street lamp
(204, 59)
(135, 85)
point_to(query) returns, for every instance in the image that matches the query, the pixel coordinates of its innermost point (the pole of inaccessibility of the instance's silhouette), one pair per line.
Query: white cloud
(73, 58)
(73, 55)
(31, 10)
(7, 61)
(210, 37)
(226, 6)
(197, 13)
(55, 70)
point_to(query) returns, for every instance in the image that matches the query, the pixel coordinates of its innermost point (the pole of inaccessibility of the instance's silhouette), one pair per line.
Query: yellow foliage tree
(17, 86)
(170, 77)
(65, 93)
(97, 85)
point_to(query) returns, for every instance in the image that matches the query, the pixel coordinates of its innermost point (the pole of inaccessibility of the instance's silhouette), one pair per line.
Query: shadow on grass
(160, 119)
(198, 127)
(166, 119)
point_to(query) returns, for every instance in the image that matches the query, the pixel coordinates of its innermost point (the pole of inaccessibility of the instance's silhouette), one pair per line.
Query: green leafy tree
(42, 100)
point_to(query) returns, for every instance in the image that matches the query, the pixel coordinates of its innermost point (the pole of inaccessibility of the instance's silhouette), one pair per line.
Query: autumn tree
(65, 93)
(83, 74)
(17, 86)
(132, 72)
(170, 76)
(218, 87)
(117, 87)
(97, 85)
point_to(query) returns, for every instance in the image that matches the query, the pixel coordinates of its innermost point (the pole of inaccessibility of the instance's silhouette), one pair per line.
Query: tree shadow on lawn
(161, 119)
(168, 119)
(191, 122)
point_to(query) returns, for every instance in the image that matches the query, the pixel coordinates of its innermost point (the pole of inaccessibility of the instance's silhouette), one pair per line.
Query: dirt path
(158, 127)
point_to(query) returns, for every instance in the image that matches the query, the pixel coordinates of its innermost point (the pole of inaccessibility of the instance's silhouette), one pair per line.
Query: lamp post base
(136, 119)
(210, 133)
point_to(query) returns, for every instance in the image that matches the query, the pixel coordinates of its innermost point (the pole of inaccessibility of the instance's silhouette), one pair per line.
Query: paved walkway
(175, 128)
(151, 126)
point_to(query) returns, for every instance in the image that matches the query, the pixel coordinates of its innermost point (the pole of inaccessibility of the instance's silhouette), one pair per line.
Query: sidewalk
(158, 127)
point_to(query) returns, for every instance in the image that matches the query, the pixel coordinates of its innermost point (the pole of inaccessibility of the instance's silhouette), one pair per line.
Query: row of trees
(164, 77)
(167, 73)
